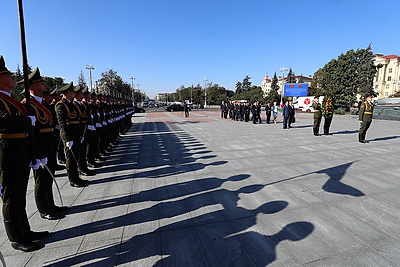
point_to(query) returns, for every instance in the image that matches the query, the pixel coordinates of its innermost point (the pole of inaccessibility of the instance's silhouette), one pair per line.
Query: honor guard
(365, 117)
(14, 165)
(46, 147)
(68, 119)
(317, 115)
(83, 114)
(91, 134)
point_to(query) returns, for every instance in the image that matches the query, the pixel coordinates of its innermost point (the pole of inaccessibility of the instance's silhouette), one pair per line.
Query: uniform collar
(6, 93)
(38, 99)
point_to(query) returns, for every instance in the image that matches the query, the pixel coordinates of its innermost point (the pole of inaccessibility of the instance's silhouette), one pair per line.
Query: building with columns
(387, 79)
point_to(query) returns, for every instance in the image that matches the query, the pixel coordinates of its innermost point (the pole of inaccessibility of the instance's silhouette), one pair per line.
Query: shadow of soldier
(262, 248)
(209, 243)
(160, 193)
(334, 185)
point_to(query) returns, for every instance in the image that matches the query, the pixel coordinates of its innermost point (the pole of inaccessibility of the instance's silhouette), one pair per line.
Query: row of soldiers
(84, 124)
(240, 111)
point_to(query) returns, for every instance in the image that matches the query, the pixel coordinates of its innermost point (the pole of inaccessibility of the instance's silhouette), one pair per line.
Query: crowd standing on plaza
(241, 111)
(69, 124)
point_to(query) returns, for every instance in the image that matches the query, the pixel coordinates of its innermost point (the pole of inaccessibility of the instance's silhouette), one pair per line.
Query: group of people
(71, 124)
(241, 111)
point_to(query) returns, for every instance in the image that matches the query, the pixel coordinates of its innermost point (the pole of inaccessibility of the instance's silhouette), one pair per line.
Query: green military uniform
(83, 114)
(68, 119)
(15, 155)
(45, 143)
(365, 118)
(317, 117)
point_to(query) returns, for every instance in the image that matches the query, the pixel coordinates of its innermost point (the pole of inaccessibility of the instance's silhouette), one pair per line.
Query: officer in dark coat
(268, 112)
(254, 112)
(68, 118)
(15, 154)
(317, 115)
(46, 145)
(365, 118)
(286, 111)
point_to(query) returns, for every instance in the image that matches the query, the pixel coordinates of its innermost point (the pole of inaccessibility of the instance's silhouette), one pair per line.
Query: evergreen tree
(238, 87)
(290, 77)
(81, 80)
(246, 84)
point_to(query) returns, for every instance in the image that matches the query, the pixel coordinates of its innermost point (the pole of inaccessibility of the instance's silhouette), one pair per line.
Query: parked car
(174, 107)
(139, 109)
(198, 106)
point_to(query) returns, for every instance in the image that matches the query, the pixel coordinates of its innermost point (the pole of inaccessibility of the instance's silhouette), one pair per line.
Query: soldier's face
(7, 82)
(369, 98)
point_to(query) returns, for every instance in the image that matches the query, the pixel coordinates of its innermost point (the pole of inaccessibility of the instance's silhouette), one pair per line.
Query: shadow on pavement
(202, 239)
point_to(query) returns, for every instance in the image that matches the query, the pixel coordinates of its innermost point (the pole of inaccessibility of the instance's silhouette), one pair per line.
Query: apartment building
(387, 80)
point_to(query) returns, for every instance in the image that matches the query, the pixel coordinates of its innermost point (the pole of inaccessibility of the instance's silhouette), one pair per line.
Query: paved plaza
(204, 191)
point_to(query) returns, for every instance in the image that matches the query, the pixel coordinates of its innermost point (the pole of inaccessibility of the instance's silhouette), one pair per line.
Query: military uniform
(365, 118)
(317, 117)
(68, 119)
(45, 146)
(83, 114)
(15, 155)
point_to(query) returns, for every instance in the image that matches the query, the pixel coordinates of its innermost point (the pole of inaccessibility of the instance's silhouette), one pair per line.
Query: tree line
(351, 73)
(110, 83)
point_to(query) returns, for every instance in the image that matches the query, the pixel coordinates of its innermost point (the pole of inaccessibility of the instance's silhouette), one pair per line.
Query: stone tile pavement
(203, 191)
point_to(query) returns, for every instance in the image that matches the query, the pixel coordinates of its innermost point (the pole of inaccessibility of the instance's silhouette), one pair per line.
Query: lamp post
(205, 92)
(283, 70)
(90, 68)
(191, 95)
(133, 89)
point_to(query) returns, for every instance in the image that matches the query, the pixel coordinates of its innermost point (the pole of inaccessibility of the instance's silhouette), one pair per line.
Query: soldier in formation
(31, 136)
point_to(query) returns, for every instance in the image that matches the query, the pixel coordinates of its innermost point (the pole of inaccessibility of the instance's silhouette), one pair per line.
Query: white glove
(91, 115)
(69, 144)
(360, 122)
(98, 125)
(58, 127)
(33, 120)
(104, 123)
(43, 162)
(1, 187)
(91, 128)
(35, 164)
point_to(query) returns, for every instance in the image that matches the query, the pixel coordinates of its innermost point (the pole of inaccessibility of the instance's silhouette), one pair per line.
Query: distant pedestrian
(286, 110)
(258, 112)
(186, 109)
(327, 113)
(223, 110)
(365, 118)
(317, 115)
(268, 112)
(292, 114)
(275, 112)
(254, 112)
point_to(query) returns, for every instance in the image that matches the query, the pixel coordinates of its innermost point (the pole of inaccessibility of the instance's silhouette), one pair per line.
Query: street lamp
(205, 92)
(283, 70)
(191, 94)
(90, 68)
(133, 89)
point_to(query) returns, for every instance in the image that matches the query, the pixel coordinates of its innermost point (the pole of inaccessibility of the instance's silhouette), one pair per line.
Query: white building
(387, 80)
(267, 81)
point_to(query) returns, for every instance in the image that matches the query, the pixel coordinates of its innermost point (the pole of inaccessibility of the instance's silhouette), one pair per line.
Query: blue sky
(168, 43)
